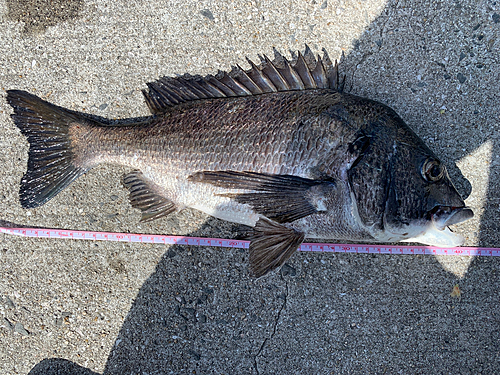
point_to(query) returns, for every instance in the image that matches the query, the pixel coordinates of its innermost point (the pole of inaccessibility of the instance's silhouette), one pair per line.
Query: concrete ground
(77, 307)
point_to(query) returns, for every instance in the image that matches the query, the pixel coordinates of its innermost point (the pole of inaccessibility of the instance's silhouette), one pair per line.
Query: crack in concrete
(256, 365)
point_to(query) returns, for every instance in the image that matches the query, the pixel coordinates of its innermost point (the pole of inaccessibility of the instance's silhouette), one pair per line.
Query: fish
(280, 147)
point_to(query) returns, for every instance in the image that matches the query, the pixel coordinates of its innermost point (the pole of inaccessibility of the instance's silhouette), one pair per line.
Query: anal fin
(271, 244)
(145, 195)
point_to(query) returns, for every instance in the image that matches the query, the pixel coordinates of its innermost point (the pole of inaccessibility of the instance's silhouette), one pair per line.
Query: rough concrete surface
(77, 307)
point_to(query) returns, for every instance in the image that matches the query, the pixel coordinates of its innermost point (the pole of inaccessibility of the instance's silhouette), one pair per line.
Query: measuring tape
(241, 244)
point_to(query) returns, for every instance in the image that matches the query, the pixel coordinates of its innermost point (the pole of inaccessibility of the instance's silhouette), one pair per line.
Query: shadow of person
(59, 366)
(200, 312)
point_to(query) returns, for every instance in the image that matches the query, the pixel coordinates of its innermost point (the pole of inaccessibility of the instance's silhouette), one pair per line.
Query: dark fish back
(282, 133)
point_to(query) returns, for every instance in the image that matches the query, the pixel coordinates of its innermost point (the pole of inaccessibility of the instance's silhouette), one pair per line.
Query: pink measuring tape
(241, 244)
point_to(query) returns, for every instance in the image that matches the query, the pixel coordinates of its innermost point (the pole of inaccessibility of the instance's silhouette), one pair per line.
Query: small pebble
(496, 17)
(461, 78)
(181, 300)
(19, 328)
(207, 13)
(103, 106)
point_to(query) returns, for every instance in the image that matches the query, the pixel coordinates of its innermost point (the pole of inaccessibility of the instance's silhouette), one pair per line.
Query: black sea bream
(278, 147)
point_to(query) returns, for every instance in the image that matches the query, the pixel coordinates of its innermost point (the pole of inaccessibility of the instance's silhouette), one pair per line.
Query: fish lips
(443, 216)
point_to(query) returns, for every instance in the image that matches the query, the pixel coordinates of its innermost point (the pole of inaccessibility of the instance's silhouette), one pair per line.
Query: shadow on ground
(37, 15)
(199, 312)
(58, 366)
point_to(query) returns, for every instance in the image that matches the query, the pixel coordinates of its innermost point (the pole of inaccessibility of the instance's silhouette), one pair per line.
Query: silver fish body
(279, 148)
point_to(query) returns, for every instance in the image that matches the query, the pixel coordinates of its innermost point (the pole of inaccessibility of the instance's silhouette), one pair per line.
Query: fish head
(402, 190)
(422, 200)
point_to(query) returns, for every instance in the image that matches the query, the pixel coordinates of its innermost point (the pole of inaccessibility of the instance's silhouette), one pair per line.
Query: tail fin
(51, 159)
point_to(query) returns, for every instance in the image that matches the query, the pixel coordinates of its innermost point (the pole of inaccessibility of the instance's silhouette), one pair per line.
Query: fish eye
(432, 170)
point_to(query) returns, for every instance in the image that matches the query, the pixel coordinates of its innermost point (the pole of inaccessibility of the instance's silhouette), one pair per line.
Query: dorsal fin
(302, 73)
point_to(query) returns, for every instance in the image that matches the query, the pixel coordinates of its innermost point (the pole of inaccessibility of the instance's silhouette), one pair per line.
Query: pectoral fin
(146, 196)
(271, 244)
(282, 198)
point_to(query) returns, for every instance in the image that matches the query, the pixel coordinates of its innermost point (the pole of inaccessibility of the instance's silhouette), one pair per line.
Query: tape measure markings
(242, 244)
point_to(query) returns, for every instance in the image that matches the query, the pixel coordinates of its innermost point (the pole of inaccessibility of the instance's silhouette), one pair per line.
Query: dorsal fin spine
(304, 72)
(182, 90)
(270, 70)
(260, 79)
(162, 86)
(250, 84)
(158, 96)
(192, 86)
(211, 89)
(292, 76)
(221, 86)
(237, 87)
(319, 74)
(309, 58)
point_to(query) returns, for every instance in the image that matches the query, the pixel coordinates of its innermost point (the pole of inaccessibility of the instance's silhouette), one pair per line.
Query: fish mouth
(443, 216)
